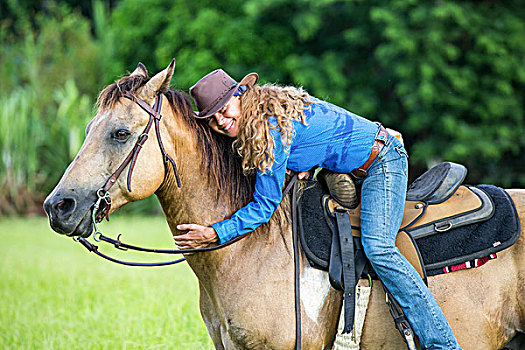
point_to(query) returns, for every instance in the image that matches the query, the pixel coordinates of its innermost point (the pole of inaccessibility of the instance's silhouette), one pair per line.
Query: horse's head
(113, 139)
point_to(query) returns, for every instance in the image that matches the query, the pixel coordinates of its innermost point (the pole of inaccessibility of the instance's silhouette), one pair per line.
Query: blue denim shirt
(334, 139)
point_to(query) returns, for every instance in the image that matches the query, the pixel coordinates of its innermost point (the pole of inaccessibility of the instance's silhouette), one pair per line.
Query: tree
(449, 75)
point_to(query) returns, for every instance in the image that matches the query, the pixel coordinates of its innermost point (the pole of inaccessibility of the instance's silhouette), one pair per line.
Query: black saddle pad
(442, 249)
(314, 230)
(473, 241)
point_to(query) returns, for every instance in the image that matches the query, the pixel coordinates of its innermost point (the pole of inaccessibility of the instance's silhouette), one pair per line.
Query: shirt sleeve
(266, 198)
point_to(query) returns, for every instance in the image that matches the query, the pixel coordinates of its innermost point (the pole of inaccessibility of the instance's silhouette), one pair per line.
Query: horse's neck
(197, 202)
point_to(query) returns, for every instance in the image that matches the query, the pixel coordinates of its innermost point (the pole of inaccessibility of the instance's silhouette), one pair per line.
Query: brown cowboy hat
(215, 89)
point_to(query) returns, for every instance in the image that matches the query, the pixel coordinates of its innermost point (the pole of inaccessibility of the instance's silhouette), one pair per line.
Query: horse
(247, 288)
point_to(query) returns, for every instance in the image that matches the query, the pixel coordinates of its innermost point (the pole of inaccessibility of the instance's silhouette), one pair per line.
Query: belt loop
(382, 134)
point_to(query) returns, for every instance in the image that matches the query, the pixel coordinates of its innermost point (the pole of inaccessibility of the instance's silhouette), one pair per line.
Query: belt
(378, 145)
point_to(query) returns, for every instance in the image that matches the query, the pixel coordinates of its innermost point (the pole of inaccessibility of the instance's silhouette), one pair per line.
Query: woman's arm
(266, 198)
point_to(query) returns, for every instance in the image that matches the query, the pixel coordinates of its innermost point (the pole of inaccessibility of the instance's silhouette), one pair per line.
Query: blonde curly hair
(254, 142)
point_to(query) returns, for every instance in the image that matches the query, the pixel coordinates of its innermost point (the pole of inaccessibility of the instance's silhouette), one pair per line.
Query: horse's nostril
(65, 206)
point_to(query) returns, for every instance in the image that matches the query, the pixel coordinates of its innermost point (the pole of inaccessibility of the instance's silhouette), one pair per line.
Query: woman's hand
(198, 236)
(302, 175)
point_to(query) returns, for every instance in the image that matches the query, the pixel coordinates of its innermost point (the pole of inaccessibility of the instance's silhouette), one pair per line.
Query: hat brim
(249, 80)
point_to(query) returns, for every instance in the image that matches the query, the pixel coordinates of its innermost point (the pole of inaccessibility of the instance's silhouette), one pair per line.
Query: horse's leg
(224, 336)
(210, 318)
(379, 331)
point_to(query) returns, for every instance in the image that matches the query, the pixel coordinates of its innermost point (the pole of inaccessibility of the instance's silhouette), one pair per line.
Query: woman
(283, 127)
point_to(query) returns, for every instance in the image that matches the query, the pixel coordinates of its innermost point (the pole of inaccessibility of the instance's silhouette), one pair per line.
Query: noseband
(154, 118)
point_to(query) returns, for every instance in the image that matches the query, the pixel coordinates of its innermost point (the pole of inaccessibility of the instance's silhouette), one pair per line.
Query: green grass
(54, 294)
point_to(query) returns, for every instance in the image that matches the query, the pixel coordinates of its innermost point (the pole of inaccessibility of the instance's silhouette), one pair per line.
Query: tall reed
(51, 68)
(35, 148)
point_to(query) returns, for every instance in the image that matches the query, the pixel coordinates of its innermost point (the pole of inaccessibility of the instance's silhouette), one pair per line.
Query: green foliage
(45, 78)
(449, 75)
(51, 68)
(458, 76)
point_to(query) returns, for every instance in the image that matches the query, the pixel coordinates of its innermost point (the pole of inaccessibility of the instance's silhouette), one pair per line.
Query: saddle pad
(315, 234)
(472, 241)
(447, 248)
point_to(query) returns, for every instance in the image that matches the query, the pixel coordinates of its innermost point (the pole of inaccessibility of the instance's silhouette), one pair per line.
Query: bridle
(103, 204)
(154, 118)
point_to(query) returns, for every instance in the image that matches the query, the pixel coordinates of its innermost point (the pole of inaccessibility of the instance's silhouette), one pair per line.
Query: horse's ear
(140, 70)
(160, 82)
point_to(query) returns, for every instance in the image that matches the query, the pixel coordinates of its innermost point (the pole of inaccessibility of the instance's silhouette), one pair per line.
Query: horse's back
(518, 250)
(518, 196)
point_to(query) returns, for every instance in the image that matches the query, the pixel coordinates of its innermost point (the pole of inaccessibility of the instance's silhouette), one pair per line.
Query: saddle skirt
(440, 215)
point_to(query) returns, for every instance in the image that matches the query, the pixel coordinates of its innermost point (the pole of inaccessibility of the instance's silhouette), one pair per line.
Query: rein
(117, 243)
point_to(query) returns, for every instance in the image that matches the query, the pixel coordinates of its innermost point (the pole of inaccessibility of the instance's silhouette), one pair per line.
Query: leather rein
(103, 204)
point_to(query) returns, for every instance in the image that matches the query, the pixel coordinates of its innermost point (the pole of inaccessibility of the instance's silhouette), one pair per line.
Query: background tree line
(450, 75)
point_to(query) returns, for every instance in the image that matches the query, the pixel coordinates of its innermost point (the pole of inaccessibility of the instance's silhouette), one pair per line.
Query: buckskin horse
(247, 288)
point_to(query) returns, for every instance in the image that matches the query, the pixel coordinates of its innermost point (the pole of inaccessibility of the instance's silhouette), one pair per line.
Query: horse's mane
(221, 163)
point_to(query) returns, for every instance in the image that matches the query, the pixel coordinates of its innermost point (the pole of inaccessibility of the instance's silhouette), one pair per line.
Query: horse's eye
(121, 135)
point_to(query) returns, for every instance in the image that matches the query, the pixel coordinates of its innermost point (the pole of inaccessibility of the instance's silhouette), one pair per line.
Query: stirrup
(400, 320)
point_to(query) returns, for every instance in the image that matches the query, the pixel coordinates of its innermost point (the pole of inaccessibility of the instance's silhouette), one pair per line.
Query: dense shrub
(450, 75)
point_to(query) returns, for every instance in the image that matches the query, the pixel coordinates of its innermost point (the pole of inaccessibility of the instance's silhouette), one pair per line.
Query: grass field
(54, 294)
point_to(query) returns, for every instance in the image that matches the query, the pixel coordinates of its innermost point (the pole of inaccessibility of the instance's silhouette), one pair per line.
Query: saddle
(439, 208)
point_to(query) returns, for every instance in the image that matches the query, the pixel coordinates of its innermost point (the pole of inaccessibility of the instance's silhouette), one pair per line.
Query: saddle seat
(437, 184)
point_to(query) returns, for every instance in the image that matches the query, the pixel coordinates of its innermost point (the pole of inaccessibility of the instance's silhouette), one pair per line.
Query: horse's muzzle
(68, 215)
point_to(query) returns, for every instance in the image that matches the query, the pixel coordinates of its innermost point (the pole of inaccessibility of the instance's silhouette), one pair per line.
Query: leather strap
(94, 249)
(400, 320)
(335, 269)
(154, 118)
(132, 156)
(297, 271)
(378, 145)
(348, 267)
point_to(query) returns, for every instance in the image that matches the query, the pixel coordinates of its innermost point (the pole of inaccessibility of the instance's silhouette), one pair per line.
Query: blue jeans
(383, 194)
